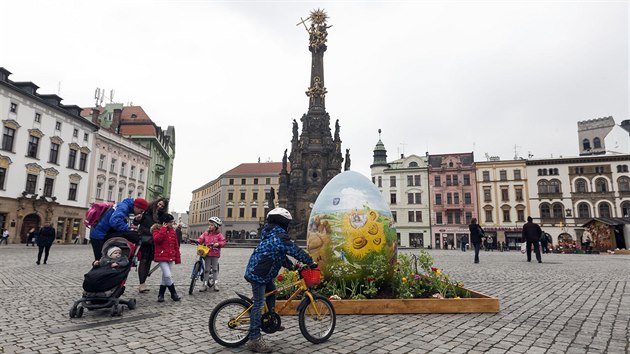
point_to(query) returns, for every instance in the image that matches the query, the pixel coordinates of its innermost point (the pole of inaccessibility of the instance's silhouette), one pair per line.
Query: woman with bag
(145, 221)
(215, 240)
(476, 236)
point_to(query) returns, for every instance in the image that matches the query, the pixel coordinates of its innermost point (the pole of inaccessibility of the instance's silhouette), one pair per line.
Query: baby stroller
(103, 286)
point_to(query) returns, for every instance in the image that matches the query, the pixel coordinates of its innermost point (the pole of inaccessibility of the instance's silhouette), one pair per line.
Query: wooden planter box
(478, 303)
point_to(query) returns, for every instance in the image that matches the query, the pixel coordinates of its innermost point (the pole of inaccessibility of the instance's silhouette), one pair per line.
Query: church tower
(315, 156)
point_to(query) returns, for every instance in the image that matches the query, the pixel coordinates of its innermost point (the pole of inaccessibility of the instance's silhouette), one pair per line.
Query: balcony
(159, 169)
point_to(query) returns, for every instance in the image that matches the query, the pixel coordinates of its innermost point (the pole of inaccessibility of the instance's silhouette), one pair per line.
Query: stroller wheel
(132, 304)
(117, 310)
(79, 311)
(73, 311)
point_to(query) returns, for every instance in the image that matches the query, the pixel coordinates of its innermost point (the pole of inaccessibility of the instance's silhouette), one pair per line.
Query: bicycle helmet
(280, 217)
(215, 220)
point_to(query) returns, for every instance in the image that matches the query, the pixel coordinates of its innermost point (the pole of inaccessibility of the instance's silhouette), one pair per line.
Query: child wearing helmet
(264, 264)
(214, 239)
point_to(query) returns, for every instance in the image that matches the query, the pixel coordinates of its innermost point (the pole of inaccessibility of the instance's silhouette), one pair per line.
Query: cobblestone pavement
(567, 304)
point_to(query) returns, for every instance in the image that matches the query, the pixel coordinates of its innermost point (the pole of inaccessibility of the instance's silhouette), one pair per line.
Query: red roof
(263, 168)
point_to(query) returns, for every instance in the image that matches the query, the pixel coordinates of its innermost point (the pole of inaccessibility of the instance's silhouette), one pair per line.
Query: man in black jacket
(531, 235)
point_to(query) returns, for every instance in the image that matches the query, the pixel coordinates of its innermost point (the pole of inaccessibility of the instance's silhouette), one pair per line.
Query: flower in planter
(334, 297)
(280, 277)
(404, 280)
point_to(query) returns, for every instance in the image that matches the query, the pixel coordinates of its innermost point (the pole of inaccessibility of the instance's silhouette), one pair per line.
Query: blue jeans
(477, 247)
(258, 291)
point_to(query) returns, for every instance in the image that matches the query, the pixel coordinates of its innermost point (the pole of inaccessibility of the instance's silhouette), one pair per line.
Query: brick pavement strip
(567, 304)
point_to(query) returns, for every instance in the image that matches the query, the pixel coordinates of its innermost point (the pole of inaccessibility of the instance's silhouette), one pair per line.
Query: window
(38, 117)
(604, 210)
(268, 181)
(438, 218)
(141, 176)
(622, 168)
(243, 180)
(132, 171)
(487, 196)
(75, 133)
(597, 144)
(418, 198)
(241, 212)
(449, 217)
(503, 175)
(254, 213)
(85, 136)
(506, 215)
(467, 198)
(467, 180)
(54, 153)
(416, 180)
(438, 199)
(3, 174)
(556, 211)
(72, 193)
(101, 162)
(392, 198)
(414, 198)
(599, 169)
(409, 181)
(468, 217)
(230, 196)
(543, 187)
(110, 192)
(545, 211)
(586, 145)
(112, 166)
(99, 190)
(242, 196)
(449, 181)
(486, 176)
(413, 164)
(380, 181)
(31, 183)
(580, 186)
(255, 180)
(517, 175)
(120, 193)
(58, 126)
(601, 185)
(554, 186)
(458, 217)
(456, 198)
(254, 196)
(229, 212)
(373, 180)
(72, 158)
(231, 181)
(624, 184)
(518, 194)
(438, 181)
(520, 215)
(488, 216)
(33, 143)
(449, 198)
(395, 216)
(7, 139)
(83, 161)
(505, 194)
(48, 187)
(414, 215)
(392, 181)
(584, 211)
(13, 108)
(123, 168)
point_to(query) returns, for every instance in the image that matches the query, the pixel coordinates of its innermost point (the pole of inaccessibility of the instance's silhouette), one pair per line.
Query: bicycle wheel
(229, 323)
(193, 277)
(317, 328)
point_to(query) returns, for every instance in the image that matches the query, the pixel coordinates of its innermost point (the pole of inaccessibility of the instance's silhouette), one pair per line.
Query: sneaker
(215, 287)
(258, 346)
(204, 287)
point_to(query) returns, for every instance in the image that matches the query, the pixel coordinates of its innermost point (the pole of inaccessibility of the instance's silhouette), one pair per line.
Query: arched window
(623, 184)
(625, 209)
(584, 211)
(604, 210)
(540, 171)
(450, 164)
(554, 186)
(597, 144)
(601, 185)
(580, 186)
(545, 212)
(413, 164)
(557, 211)
(586, 145)
(543, 186)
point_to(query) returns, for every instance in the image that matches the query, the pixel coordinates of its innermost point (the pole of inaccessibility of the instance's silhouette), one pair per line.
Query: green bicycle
(229, 321)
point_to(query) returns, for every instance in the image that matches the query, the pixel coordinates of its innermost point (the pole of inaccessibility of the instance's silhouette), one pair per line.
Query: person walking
(115, 220)
(462, 243)
(5, 237)
(476, 236)
(544, 242)
(30, 237)
(214, 239)
(531, 235)
(178, 231)
(45, 240)
(151, 216)
(166, 253)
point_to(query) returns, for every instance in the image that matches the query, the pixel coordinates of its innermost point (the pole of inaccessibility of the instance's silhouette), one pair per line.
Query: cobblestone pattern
(567, 304)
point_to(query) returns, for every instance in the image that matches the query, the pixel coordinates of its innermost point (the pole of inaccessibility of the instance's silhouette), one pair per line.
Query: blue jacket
(115, 220)
(271, 254)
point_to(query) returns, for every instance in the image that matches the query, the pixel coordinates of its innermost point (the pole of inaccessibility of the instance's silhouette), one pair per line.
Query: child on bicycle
(264, 264)
(214, 239)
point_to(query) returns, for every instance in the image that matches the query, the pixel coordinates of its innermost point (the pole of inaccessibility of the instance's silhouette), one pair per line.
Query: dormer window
(13, 108)
(134, 115)
(586, 145)
(597, 144)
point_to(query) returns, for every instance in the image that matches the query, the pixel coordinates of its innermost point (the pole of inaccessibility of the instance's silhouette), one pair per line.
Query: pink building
(453, 198)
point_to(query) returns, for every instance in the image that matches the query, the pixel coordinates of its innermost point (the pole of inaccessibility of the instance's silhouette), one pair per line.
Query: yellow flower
(457, 297)
(438, 272)
(404, 280)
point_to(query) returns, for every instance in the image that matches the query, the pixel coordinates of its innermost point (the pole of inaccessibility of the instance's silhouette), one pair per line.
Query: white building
(45, 159)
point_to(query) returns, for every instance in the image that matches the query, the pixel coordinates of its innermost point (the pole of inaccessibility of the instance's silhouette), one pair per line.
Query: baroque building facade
(45, 159)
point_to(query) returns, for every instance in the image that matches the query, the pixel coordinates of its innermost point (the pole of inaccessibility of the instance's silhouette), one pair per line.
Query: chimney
(95, 114)
(116, 121)
(402, 156)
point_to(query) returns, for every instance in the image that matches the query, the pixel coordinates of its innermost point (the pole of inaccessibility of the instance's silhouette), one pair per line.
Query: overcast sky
(494, 77)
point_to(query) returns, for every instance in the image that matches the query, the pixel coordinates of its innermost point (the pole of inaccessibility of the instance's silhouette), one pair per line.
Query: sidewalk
(567, 304)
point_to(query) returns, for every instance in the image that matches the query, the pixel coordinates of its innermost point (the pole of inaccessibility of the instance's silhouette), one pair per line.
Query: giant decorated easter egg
(351, 228)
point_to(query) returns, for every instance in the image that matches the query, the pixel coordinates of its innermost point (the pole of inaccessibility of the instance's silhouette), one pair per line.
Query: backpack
(96, 212)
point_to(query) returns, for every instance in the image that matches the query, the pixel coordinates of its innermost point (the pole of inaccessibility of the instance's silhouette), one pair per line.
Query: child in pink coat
(214, 239)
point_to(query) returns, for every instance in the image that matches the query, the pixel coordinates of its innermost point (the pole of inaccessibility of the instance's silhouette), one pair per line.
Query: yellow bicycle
(229, 321)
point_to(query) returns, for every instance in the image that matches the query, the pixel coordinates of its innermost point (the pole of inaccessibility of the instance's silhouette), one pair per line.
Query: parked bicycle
(229, 321)
(199, 269)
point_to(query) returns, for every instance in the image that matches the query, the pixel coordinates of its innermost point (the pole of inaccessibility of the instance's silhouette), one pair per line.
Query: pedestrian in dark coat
(544, 242)
(45, 239)
(157, 209)
(476, 236)
(531, 235)
(30, 237)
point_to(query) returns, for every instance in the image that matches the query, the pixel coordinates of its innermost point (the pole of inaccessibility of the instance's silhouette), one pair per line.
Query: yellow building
(240, 197)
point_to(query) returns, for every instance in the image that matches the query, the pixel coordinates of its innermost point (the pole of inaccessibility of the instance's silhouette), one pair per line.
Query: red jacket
(166, 246)
(209, 240)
